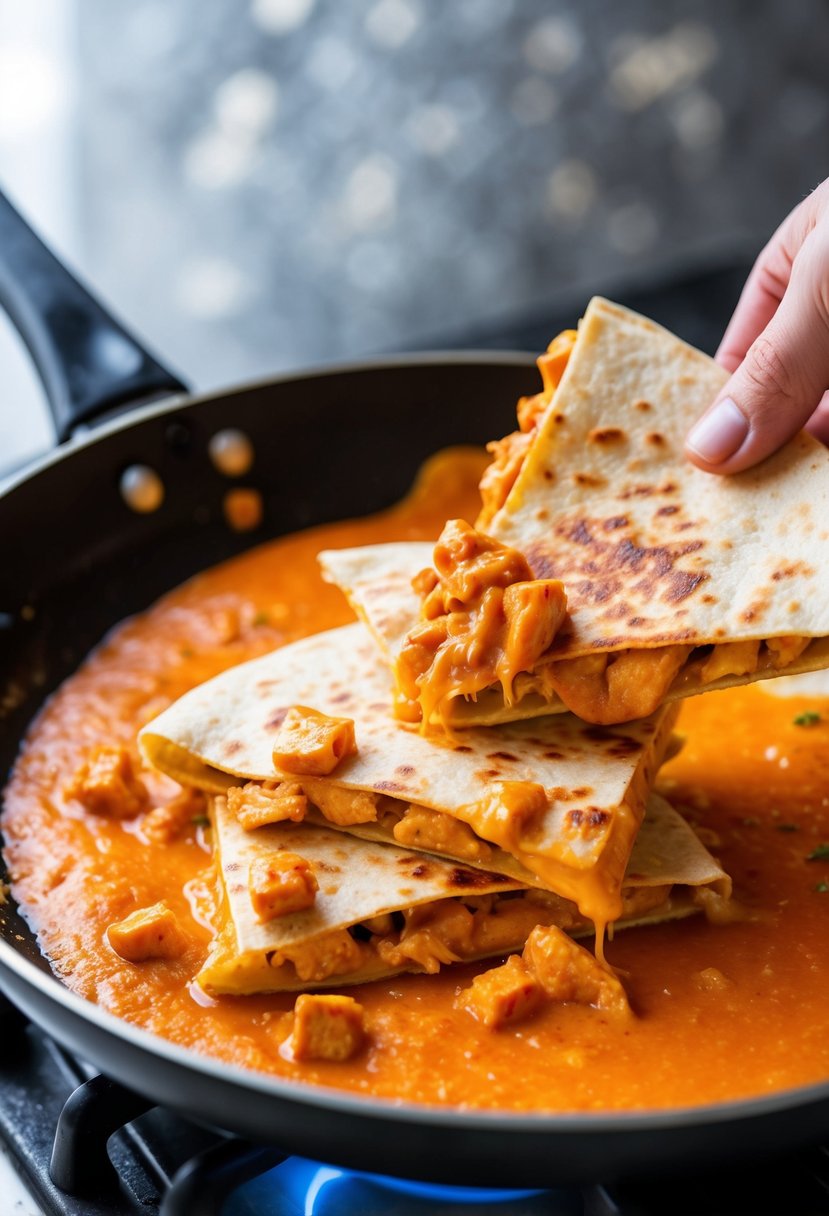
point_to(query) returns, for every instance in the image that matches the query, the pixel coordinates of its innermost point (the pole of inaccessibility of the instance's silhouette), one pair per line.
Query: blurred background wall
(259, 184)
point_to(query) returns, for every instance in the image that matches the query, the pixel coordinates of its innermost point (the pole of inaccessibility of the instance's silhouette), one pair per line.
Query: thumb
(779, 384)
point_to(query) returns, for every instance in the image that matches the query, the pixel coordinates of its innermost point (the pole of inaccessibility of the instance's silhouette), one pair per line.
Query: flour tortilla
(651, 550)
(596, 780)
(359, 880)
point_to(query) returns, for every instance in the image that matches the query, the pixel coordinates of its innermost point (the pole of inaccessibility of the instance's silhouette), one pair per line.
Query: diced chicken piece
(618, 687)
(255, 805)
(785, 650)
(534, 612)
(342, 806)
(422, 828)
(567, 972)
(503, 995)
(312, 743)
(508, 811)
(731, 659)
(329, 954)
(164, 823)
(327, 1028)
(281, 884)
(148, 933)
(107, 784)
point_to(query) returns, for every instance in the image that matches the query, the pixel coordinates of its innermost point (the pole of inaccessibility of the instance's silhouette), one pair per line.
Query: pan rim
(131, 415)
(618, 1123)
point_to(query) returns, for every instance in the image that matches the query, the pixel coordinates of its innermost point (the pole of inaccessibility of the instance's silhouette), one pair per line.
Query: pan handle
(87, 361)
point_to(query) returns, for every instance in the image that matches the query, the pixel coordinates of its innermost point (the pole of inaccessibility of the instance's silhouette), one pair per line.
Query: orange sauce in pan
(723, 1011)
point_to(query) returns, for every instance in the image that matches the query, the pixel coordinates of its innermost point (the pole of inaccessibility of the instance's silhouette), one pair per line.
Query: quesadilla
(672, 581)
(380, 910)
(553, 802)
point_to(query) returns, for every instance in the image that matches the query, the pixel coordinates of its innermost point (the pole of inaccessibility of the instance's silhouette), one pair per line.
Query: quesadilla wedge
(559, 799)
(380, 910)
(675, 581)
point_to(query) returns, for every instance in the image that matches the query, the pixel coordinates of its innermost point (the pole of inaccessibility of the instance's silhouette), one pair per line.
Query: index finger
(758, 302)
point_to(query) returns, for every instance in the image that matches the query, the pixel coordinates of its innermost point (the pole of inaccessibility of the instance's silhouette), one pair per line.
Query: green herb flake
(808, 718)
(201, 821)
(261, 618)
(751, 822)
(822, 887)
(821, 853)
(186, 652)
(786, 827)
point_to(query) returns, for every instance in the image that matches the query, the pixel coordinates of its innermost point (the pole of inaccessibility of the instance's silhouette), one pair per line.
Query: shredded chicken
(107, 784)
(731, 659)
(326, 1028)
(312, 743)
(484, 619)
(335, 953)
(784, 650)
(341, 806)
(148, 933)
(433, 935)
(508, 454)
(569, 973)
(257, 804)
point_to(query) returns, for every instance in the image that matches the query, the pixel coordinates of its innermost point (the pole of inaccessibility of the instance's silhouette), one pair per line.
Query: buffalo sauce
(722, 1010)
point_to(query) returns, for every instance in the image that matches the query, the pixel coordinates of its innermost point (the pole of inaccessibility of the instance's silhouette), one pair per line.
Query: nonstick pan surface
(76, 560)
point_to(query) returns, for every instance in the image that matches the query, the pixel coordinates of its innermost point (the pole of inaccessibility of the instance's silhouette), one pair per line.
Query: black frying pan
(329, 444)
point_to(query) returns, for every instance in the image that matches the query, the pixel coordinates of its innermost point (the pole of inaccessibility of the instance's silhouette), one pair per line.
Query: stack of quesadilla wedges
(447, 835)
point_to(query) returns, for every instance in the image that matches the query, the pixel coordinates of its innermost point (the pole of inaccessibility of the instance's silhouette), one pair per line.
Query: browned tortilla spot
(606, 434)
(682, 585)
(791, 570)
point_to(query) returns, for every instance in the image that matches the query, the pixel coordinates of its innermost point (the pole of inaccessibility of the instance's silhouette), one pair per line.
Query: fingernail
(720, 433)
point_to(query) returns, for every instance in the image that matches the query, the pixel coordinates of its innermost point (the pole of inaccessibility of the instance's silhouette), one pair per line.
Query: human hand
(777, 348)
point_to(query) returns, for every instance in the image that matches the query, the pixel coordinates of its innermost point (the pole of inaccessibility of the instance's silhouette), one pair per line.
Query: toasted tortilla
(651, 551)
(359, 881)
(596, 782)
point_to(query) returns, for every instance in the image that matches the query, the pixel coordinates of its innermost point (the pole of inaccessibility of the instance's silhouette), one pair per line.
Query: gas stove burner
(310, 1188)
